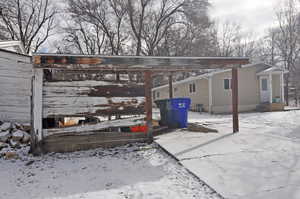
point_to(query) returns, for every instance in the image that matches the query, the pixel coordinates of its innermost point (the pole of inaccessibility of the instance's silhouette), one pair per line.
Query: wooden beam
(38, 103)
(148, 106)
(235, 100)
(171, 86)
(134, 62)
(271, 87)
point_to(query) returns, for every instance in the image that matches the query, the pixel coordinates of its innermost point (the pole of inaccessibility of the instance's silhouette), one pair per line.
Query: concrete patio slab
(260, 162)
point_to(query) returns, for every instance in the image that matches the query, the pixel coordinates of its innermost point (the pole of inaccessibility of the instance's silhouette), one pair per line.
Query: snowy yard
(260, 162)
(136, 171)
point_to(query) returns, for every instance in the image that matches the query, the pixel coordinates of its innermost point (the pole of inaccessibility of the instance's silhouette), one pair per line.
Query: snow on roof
(13, 46)
(209, 74)
(272, 70)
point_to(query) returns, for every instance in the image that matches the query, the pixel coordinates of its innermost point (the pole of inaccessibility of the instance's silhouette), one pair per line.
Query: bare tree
(232, 41)
(288, 39)
(30, 21)
(96, 26)
(150, 21)
(267, 50)
(229, 35)
(136, 11)
(193, 34)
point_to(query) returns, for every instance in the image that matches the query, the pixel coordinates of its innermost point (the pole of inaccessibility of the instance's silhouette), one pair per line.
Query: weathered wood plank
(15, 109)
(118, 91)
(86, 102)
(15, 92)
(14, 101)
(73, 143)
(38, 103)
(8, 56)
(82, 112)
(94, 127)
(10, 116)
(11, 82)
(88, 83)
(91, 136)
(12, 64)
(15, 74)
(96, 91)
(138, 62)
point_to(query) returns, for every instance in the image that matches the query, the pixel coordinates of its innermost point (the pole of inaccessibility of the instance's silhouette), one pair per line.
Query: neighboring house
(258, 84)
(15, 83)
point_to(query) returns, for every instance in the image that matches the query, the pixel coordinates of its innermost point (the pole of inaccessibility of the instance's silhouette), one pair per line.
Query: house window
(153, 94)
(192, 88)
(227, 84)
(264, 84)
(175, 89)
(157, 95)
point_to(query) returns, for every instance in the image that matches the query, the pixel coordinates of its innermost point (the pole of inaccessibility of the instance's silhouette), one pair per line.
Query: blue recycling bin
(178, 112)
(174, 112)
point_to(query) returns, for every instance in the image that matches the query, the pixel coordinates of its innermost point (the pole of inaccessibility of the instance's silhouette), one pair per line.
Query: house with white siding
(211, 92)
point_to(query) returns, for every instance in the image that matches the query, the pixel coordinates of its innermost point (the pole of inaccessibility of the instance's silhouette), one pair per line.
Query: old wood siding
(15, 87)
(91, 98)
(63, 97)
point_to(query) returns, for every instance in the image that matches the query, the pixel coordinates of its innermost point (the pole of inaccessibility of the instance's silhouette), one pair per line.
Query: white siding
(248, 91)
(182, 90)
(15, 87)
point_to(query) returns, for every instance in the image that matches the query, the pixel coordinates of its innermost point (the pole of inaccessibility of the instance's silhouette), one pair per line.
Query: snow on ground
(135, 171)
(260, 162)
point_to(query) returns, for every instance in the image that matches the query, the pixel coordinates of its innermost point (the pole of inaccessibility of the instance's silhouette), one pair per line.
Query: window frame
(265, 89)
(157, 94)
(192, 88)
(229, 84)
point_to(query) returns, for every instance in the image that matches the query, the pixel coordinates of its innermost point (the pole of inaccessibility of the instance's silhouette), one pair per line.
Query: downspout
(282, 88)
(210, 103)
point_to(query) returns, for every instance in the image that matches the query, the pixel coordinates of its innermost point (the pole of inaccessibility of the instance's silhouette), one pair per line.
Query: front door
(264, 89)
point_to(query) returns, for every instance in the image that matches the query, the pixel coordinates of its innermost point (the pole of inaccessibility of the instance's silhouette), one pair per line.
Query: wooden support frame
(142, 64)
(148, 106)
(235, 100)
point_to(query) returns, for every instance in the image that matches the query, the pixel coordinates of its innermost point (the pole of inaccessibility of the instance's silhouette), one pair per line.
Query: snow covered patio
(260, 162)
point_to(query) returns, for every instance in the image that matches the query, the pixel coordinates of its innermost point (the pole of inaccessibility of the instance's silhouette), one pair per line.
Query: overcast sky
(253, 15)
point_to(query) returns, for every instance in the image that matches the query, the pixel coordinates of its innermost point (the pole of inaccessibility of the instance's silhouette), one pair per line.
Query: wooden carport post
(148, 104)
(235, 100)
(171, 86)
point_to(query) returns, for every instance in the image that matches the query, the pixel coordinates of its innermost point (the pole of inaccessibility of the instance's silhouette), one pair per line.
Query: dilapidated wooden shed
(105, 87)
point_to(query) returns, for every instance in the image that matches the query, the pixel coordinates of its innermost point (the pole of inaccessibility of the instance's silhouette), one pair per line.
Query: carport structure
(65, 97)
